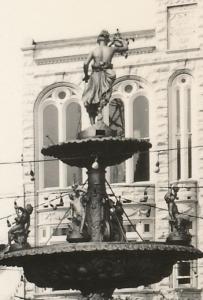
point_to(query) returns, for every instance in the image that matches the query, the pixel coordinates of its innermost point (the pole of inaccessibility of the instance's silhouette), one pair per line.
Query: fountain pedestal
(95, 205)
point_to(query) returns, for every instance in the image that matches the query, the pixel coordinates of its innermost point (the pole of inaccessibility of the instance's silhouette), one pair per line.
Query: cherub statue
(179, 222)
(20, 230)
(78, 202)
(170, 198)
(99, 84)
(113, 221)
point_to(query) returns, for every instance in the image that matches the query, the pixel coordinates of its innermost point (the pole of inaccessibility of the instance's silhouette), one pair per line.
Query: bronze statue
(77, 229)
(179, 223)
(113, 228)
(19, 232)
(99, 83)
(170, 198)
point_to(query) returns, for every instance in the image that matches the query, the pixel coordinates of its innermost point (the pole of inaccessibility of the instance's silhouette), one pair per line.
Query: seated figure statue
(20, 230)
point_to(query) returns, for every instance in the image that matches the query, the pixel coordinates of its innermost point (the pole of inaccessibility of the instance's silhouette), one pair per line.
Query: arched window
(117, 122)
(180, 128)
(50, 134)
(129, 115)
(141, 130)
(58, 118)
(73, 127)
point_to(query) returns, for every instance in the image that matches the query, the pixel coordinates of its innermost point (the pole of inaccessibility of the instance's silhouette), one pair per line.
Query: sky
(44, 20)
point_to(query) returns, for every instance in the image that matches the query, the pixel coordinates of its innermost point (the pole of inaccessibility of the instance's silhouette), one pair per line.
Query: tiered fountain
(97, 259)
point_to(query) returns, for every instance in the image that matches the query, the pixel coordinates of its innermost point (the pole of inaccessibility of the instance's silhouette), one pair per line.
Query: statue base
(105, 294)
(99, 129)
(177, 238)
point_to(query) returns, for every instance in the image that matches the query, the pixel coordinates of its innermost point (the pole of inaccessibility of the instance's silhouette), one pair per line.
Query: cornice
(147, 33)
(82, 57)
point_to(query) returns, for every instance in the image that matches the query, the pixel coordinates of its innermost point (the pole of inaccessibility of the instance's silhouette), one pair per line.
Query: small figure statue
(20, 231)
(100, 82)
(179, 223)
(118, 231)
(77, 229)
(170, 198)
(113, 228)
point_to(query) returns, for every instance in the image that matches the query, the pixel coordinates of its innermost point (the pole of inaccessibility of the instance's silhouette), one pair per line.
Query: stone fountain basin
(92, 266)
(109, 150)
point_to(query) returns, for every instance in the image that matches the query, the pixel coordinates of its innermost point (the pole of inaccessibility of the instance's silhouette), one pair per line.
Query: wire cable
(134, 227)
(78, 157)
(55, 229)
(161, 208)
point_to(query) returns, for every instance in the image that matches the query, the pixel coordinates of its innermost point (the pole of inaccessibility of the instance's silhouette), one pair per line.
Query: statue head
(29, 208)
(103, 36)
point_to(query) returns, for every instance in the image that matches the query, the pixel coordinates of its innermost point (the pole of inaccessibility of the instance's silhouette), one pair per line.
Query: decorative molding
(82, 57)
(180, 2)
(85, 40)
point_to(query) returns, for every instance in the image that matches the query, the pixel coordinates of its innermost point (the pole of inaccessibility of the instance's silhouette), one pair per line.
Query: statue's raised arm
(99, 83)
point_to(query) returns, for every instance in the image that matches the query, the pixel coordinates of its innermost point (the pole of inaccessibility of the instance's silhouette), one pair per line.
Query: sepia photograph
(101, 150)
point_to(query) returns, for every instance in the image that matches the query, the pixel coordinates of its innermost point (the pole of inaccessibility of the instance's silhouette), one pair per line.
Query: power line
(75, 157)
(36, 206)
(66, 212)
(161, 208)
(43, 203)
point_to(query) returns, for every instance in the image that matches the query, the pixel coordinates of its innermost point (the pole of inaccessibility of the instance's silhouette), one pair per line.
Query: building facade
(158, 96)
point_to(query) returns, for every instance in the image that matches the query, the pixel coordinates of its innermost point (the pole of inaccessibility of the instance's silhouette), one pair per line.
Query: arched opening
(50, 136)
(141, 130)
(117, 122)
(73, 127)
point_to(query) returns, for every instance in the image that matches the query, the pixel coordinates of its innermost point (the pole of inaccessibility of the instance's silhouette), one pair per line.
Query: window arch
(131, 94)
(50, 133)
(117, 122)
(73, 127)
(180, 127)
(141, 130)
(58, 118)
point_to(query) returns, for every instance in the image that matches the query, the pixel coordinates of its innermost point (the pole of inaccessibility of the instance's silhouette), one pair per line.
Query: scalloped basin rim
(108, 150)
(92, 267)
(103, 246)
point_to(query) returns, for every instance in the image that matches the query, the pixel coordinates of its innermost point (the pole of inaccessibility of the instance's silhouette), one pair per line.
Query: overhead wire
(123, 198)
(43, 203)
(74, 157)
(36, 206)
(55, 229)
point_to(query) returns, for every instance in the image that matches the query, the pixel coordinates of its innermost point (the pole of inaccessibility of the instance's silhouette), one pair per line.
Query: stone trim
(85, 40)
(82, 57)
(171, 3)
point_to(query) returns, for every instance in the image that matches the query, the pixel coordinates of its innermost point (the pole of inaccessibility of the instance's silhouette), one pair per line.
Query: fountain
(97, 258)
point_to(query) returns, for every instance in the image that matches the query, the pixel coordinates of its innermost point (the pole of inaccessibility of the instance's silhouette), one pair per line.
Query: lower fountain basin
(92, 266)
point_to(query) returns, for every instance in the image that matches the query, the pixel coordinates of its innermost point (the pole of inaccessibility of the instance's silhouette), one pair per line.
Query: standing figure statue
(99, 83)
(20, 230)
(170, 198)
(179, 222)
(77, 230)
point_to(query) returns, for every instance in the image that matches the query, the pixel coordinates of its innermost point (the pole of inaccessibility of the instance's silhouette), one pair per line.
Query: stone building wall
(154, 59)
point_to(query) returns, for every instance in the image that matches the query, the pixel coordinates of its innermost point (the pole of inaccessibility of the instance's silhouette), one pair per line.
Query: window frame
(128, 100)
(181, 173)
(41, 103)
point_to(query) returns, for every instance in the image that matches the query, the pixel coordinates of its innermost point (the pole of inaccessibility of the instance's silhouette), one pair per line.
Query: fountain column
(95, 208)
